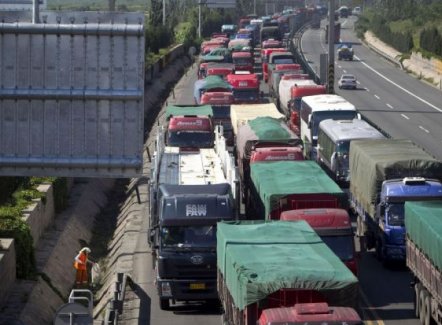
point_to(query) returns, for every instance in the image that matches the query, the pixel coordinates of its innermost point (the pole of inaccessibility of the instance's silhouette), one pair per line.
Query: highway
(386, 297)
(398, 103)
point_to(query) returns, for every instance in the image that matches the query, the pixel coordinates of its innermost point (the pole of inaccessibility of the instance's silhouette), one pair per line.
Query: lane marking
(357, 81)
(345, 71)
(377, 96)
(367, 89)
(370, 310)
(423, 129)
(405, 116)
(400, 87)
(390, 106)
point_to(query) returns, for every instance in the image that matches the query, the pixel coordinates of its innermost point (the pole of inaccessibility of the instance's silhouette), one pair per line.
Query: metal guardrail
(115, 305)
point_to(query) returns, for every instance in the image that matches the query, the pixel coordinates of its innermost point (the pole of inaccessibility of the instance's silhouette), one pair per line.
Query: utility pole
(164, 12)
(331, 47)
(35, 12)
(254, 7)
(199, 18)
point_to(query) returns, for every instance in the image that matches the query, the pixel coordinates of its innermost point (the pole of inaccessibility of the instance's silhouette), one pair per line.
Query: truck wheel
(379, 253)
(417, 292)
(164, 304)
(422, 309)
(427, 305)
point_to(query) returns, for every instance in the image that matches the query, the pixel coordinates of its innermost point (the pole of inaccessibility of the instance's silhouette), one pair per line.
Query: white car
(347, 81)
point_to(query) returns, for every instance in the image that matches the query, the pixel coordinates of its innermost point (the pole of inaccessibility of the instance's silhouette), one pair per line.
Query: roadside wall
(7, 267)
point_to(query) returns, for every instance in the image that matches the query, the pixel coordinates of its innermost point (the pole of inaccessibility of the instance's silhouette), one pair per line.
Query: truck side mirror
(153, 237)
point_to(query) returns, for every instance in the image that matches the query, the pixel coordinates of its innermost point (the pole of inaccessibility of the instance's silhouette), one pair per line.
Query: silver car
(347, 81)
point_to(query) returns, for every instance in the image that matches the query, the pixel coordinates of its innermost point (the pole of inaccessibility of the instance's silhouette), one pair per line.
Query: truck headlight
(166, 290)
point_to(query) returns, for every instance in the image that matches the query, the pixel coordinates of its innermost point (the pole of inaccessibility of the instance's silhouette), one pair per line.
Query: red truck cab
(277, 58)
(276, 154)
(335, 229)
(220, 69)
(294, 104)
(243, 61)
(310, 313)
(245, 88)
(265, 54)
(207, 46)
(190, 131)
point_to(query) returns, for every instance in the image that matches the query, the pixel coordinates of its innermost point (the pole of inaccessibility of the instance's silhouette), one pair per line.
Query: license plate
(197, 286)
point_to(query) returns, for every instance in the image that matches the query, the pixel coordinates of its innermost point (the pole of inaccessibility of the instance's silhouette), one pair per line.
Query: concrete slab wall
(7, 267)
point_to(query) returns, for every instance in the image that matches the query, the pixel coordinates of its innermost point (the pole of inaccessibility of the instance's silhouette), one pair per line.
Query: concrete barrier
(7, 267)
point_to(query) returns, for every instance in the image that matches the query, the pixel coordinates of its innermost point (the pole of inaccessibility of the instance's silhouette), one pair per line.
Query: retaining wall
(7, 267)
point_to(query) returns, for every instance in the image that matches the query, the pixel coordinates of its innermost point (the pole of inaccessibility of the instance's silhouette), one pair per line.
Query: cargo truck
(276, 154)
(277, 57)
(210, 83)
(279, 272)
(290, 185)
(285, 85)
(385, 173)
(335, 229)
(189, 192)
(245, 88)
(259, 133)
(276, 72)
(423, 241)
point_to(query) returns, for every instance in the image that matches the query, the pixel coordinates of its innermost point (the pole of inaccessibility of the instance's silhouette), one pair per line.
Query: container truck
(335, 229)
(276, 71)
(290, 185)
(284, 91)
(385, 173)
(190, 191)
(424, 244)
(277, 272)
(258, 133)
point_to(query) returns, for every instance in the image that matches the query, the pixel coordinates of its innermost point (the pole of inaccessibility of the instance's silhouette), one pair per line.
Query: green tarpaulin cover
(423, 221)
(188, 110)
(373, 161)
(269, 128)
(277, 179)
(259, 258)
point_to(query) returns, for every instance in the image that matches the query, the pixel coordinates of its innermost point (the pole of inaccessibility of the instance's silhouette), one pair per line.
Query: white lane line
(377, 96)
(345, 71)
(357, 81)
(367, 89)
(390, 106)
(401, 88)
(405, 116)
(423, 129)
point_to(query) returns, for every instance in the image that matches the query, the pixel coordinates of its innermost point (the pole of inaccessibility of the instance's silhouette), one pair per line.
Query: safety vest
(82, 257)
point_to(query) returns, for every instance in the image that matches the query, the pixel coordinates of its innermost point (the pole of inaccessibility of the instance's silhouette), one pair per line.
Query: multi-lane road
(396, 102)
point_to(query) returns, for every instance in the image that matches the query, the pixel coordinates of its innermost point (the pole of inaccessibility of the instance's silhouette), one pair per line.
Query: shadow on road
(197, 308)
(145, 303)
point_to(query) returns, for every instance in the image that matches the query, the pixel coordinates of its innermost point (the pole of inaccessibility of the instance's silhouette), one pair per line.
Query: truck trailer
(289, 185)
(269, 267)
(385, 173)
(424, 245)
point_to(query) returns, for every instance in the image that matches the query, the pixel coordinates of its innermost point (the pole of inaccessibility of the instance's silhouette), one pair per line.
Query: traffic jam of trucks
(239, 175)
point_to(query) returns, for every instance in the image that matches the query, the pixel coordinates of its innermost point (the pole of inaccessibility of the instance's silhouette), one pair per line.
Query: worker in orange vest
(80, 264)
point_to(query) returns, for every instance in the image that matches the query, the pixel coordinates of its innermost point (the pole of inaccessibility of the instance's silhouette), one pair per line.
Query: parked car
(347, 81)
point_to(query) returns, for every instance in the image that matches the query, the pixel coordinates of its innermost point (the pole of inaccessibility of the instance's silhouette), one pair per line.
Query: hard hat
(86, 249)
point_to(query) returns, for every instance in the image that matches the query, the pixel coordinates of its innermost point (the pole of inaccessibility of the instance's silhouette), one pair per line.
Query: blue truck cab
(389, 239)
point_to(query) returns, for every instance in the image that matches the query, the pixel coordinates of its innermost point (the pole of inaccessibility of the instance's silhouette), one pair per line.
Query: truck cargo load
(423, 221)
(277, 264)
(376, 160)
(240, 114)
(424, 243)
(287, 185)
(212, 83)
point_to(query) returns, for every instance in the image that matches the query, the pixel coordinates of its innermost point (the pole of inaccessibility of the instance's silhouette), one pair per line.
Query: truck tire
(164, 304)
(422, 309)
(427, 306)
(417, 292)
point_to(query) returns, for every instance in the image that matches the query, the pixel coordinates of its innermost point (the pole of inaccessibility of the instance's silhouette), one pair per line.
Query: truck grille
(196, 271)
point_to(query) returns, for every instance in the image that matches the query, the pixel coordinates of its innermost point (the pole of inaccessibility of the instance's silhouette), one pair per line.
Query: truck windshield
(395, 214)
(283, 61)
(246, 95)
(194, 139)
(242, 61)
(319, 116)
(342, 246)
(188, 236)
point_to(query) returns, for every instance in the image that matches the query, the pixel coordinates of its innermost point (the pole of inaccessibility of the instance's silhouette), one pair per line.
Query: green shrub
(12, 226)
